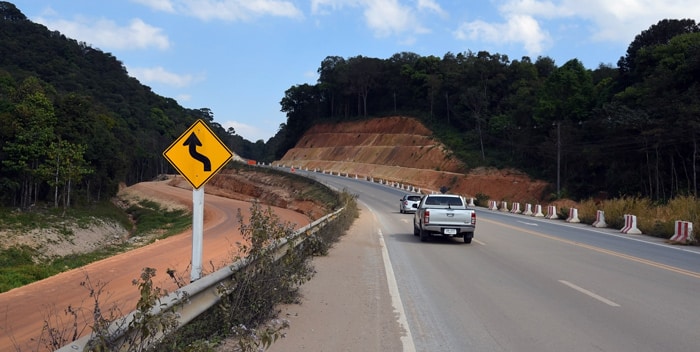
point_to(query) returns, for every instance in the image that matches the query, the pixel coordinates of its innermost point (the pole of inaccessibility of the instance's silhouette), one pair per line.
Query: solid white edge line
(589, 293)
(407, 339)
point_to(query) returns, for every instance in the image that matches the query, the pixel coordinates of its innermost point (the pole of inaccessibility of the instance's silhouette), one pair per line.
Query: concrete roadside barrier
(538, 211)
(683, 232)
(551, 212)
(599, 219)
(504, 206)
(528, 209)
(471, 202)
(630, 225)
(515, 208)
(493, 205)
(573, 215)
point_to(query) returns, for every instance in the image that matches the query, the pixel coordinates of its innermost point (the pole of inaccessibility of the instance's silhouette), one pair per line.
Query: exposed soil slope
(401, 149)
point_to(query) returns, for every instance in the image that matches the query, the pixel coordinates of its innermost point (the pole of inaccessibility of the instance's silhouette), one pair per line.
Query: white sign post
(197, 232)
(198, 154)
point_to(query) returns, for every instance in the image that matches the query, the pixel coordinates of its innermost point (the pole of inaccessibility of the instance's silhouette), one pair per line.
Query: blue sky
(237, 57)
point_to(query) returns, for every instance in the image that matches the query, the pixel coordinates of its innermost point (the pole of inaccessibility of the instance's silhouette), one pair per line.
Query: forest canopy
(74, 125)
(625, 130)
(73, 122)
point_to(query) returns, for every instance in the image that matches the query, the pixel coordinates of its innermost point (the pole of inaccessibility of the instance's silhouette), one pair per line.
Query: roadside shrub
(587, 211)
(482, 200)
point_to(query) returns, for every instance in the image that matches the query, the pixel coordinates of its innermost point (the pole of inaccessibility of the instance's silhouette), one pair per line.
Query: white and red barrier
(504, 206)
(515, 208)
(538, 211)
(528, 209)
(630, 225)
(471, 202)
(493, 205)
(599, 219)
(551, 212)
(683, 232)
(573, 215)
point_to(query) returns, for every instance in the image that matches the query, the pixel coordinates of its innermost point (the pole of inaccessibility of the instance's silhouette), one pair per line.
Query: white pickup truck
(444, 215)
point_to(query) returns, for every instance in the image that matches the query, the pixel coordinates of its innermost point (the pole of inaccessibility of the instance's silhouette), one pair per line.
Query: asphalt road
(529, 284)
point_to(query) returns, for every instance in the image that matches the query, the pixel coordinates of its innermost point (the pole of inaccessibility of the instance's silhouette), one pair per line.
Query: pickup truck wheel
(424, 236)
(468, 239)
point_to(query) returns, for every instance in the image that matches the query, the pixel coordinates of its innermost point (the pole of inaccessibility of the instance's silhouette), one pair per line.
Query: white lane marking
(589, 293)
(478, 242)
(528, 223)
(406, 340)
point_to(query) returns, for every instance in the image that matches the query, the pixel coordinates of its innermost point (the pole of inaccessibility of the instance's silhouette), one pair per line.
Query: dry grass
(652, 219)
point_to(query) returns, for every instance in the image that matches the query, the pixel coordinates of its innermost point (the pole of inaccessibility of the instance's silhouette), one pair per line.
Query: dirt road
(24, 310)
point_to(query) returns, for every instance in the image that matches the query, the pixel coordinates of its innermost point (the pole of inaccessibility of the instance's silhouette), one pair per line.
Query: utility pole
(558, 159)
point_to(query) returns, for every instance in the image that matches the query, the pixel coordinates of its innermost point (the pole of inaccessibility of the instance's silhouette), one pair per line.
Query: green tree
(565, 101)
(33, 128)
(65, 165)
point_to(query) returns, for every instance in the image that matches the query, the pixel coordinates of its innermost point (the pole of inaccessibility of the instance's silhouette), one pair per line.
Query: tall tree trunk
(695, 171)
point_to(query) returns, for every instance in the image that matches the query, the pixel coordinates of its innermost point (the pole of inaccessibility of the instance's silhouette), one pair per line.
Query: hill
(401, 149)
(60, 97)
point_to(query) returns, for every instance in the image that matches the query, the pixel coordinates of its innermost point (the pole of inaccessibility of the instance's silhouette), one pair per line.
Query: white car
(407, 202)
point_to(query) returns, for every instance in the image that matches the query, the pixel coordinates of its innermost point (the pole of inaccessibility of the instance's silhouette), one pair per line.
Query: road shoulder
(346, 306)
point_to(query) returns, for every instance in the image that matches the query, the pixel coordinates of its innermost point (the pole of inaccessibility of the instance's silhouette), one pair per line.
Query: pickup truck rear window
(443, 201)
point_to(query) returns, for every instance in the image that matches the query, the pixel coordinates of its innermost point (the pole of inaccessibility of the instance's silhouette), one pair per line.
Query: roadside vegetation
(247, 311)
(655, 219)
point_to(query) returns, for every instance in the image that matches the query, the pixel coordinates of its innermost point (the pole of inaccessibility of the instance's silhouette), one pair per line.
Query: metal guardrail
(199, 296)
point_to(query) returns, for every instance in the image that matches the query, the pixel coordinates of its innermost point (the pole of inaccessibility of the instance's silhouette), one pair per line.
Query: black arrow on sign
(193, 142)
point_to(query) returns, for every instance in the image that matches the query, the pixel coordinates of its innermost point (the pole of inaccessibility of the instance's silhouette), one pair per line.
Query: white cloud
(106, 34)
(383, 17)
(387, 17)
(238, 10)
(615, 21)
(160, 5)
(251, 133)
(319, 7)
(519, 29)
(162, 76)
(431, 5)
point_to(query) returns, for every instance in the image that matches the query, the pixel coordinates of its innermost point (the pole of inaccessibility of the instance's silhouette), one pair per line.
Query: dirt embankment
(401, 149)
(70, 237)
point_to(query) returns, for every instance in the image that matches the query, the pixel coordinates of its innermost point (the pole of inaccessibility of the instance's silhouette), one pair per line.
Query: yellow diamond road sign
(198, 154)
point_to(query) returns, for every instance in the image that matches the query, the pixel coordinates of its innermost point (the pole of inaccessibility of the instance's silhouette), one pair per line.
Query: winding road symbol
(198, 154)
(193, 142)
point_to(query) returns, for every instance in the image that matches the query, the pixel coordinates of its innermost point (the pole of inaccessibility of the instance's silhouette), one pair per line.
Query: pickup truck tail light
(473, 218)
(426, 217)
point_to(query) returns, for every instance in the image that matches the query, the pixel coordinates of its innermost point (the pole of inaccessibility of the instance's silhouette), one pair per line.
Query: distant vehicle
(445, 215)
(407, 202)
